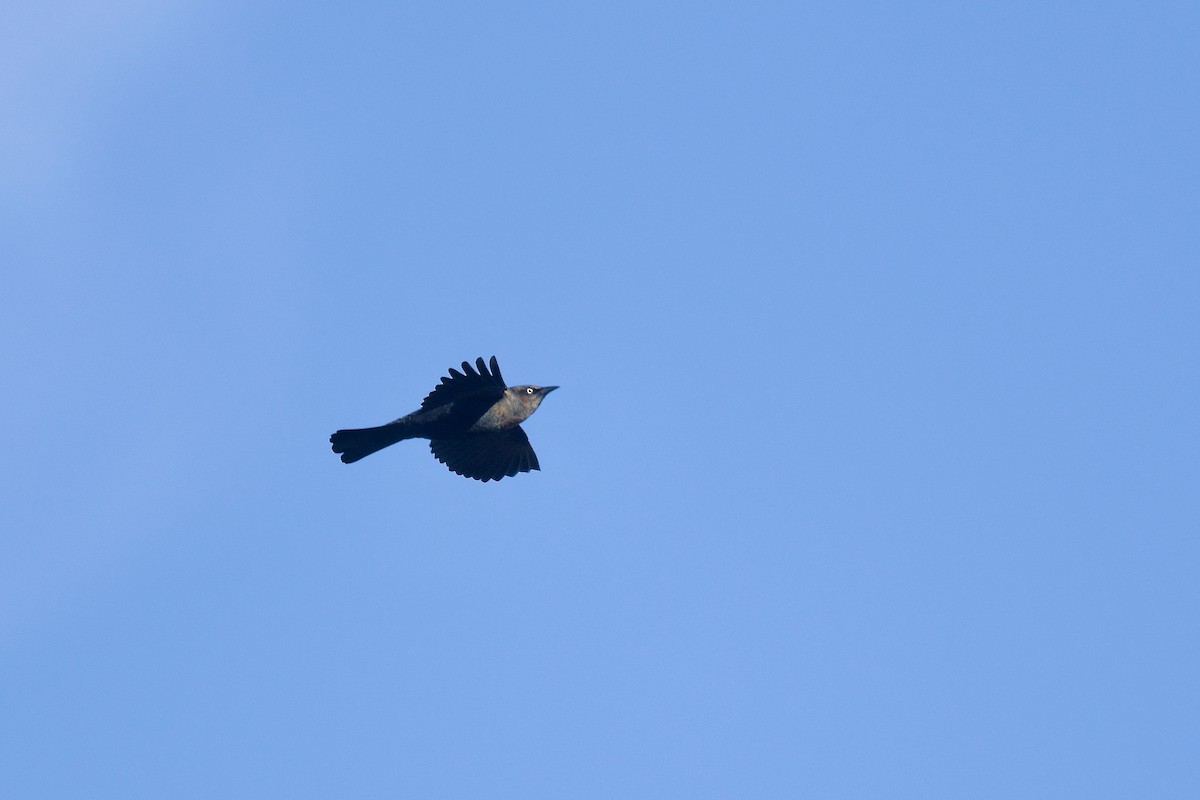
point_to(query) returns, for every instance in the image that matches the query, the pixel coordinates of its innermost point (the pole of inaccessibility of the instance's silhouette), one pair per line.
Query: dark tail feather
(360, 443)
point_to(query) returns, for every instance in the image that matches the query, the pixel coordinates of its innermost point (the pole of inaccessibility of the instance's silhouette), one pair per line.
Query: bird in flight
(471, 419)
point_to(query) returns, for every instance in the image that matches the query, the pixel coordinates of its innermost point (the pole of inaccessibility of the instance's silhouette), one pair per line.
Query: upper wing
(483, 387)
(487, 456)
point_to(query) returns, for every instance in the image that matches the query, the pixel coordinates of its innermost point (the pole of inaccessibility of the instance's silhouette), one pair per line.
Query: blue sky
(874, 469)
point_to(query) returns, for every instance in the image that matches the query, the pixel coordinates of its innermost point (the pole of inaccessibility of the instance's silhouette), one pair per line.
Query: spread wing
(474, 387)
(487, 456)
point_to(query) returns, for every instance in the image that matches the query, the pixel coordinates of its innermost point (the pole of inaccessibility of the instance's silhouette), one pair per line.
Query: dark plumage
(473, 422)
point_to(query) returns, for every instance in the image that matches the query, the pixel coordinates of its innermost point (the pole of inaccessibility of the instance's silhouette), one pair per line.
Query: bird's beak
(547, 390)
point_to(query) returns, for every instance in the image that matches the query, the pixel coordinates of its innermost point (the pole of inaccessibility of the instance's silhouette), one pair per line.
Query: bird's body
(472, 419)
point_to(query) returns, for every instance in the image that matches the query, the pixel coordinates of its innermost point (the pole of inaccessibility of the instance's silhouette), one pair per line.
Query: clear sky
(874, 470)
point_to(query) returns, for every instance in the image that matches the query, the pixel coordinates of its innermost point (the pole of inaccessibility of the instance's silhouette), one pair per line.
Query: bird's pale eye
(529, 390)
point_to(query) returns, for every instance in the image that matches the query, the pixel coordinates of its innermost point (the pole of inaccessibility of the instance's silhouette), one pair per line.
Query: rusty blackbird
(472, 419)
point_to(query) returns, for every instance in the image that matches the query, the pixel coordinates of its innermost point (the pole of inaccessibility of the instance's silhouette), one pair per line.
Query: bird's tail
(361, 442)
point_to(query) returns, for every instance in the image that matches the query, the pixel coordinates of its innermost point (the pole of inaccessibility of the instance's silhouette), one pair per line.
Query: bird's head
(530, 397)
